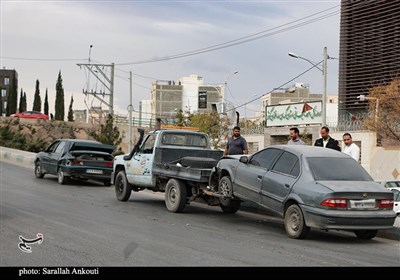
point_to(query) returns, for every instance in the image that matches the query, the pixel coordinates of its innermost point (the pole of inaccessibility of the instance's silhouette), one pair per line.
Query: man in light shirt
(350, 148)
(294, 137)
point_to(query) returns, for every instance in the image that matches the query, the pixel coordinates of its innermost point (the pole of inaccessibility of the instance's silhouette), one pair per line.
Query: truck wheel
(38, 170)
(123, 189)
(227, 205)
(365, 234)
(294, 222)
(175, 195)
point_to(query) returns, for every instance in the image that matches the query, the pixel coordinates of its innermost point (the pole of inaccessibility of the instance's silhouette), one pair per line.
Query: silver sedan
(310, 187)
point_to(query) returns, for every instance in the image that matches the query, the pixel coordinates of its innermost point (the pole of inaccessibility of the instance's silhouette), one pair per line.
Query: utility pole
(97, 70)
(324, 73)
(130, 106)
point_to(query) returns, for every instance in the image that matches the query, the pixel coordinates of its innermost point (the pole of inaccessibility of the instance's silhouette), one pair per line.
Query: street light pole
(324, 73)
(324, 78)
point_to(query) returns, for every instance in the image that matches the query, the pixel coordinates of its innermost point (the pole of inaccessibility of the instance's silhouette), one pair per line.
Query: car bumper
(348, 220)
(87, 172)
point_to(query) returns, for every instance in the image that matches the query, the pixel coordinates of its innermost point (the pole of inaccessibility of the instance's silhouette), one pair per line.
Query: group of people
(326, 141)
(238, 145)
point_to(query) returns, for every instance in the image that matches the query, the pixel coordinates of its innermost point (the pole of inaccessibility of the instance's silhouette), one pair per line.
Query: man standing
(236, 145)
(326, 141)
(294, 137)
(350, 148)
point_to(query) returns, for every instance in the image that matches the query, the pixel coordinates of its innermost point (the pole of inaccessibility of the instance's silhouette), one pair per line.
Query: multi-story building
(188, 94)
(369, 50)
(8, 83)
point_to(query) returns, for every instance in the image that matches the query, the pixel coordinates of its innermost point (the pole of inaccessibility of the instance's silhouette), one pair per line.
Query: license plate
(363, 204)
(94, 171)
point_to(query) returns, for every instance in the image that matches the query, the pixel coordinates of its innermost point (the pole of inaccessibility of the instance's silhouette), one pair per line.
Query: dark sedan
(310, 187)
(76, 159)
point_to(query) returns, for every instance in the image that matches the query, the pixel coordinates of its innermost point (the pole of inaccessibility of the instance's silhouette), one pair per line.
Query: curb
(17, 157)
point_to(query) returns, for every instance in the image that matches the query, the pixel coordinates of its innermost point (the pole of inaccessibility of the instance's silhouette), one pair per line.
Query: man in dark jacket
(327, 141)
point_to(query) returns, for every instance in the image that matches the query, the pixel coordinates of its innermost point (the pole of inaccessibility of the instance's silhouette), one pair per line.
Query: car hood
(354, 186)
(79, 147)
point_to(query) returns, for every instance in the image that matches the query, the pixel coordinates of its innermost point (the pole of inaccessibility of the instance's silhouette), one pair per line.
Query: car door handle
(287, 185)
(259, 178)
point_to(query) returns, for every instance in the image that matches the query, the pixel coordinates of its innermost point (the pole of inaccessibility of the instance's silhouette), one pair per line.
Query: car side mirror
(244, 159)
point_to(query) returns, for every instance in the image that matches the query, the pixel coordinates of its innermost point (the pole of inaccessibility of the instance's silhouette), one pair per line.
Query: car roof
(310, 151)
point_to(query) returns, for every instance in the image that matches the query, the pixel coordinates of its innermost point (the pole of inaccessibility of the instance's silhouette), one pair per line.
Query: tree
(384, 108)
(24, 104)
(213, 124)
(46, 104)
(21, 101)
(37, 102)
(12, 97)
(108, 134)
(70, 111)
(59, 106)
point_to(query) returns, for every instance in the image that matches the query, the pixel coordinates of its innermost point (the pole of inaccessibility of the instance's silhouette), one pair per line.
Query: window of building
(6, 81)
(3, 92)
(5, 105)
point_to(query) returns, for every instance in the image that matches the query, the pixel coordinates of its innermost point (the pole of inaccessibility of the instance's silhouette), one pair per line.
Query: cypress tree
(24, 104)
(37, 102)
(21, 102)
(46, 104)
(70, 111)
(59, 106)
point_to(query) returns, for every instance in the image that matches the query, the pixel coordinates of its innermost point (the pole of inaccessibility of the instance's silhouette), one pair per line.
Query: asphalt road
(85, 225)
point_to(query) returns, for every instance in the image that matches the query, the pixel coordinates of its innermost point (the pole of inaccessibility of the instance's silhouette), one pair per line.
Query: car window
(184, 139)
(337, 169)
(265, 158)
(60, 147)
(286, 164)
(147, 147)
(52, 147)
(393, 184)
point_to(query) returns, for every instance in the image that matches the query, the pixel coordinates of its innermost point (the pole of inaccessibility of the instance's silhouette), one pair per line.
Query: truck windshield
(182, 139)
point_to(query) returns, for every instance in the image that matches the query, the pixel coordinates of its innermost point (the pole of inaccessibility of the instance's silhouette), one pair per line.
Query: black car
(76, 159)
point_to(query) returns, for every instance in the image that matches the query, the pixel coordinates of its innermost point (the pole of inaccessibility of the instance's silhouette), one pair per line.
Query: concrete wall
(17, 157)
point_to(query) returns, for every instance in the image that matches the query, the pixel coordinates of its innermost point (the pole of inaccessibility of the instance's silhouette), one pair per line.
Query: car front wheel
(294, 222)
(38, 170)
(228, 205)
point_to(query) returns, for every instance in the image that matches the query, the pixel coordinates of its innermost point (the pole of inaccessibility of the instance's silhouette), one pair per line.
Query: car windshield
(337, 169)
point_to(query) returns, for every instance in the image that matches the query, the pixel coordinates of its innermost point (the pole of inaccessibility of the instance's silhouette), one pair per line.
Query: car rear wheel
(227, 205)
(175, 195)
(38, 170)
(365, 234)
(294, 222)
(123, 189)
(62, 179)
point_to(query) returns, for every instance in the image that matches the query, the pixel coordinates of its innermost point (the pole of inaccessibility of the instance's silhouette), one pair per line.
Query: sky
(40, 38)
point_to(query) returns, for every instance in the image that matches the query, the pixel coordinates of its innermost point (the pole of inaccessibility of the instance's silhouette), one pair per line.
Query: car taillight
(108, 164)
(385, 203)
(74, 162)
(335, 202)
